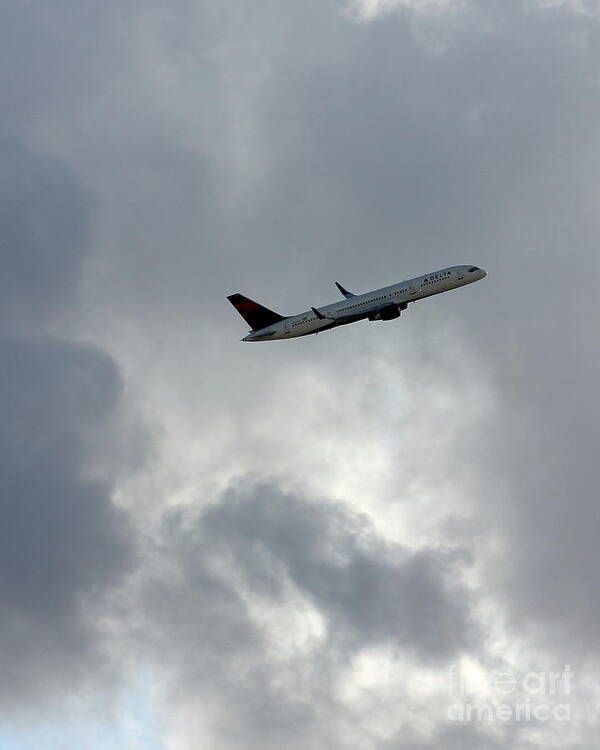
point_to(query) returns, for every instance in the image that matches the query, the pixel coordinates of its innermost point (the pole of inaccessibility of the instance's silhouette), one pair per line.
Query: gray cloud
(267, 151)
(45, 216)
(368, 593)
(450, 737)
(259, 543)
(62, 542)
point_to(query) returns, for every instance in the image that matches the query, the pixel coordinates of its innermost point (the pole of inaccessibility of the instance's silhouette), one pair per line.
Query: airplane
(381, 304)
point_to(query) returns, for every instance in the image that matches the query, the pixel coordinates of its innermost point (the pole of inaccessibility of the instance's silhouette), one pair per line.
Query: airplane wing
(391, 308)
(350, 318)
(344, 318)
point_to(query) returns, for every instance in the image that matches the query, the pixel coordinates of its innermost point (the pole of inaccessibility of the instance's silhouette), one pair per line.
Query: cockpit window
(473, 268)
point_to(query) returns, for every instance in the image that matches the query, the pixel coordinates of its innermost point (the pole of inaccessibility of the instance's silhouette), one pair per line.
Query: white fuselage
(362, 306)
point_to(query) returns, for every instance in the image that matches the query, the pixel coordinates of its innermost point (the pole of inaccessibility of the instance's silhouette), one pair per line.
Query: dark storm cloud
(62, 542)
(45, 221)
(56, 399)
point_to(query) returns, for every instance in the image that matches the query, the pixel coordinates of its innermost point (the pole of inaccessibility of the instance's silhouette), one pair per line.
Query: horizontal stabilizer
(254, 314)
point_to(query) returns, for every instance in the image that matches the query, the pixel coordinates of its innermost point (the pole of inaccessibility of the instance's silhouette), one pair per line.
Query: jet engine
(389, 312)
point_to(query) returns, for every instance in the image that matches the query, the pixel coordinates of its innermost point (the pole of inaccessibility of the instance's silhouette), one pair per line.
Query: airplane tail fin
(254, 314)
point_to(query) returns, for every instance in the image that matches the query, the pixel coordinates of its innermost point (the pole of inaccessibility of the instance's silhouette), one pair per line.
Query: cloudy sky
(342, 541)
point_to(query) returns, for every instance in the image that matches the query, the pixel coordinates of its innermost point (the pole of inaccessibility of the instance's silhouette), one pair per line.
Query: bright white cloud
(369, 9)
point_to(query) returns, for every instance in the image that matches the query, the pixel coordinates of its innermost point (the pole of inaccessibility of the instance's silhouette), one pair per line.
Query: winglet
(345, 292)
